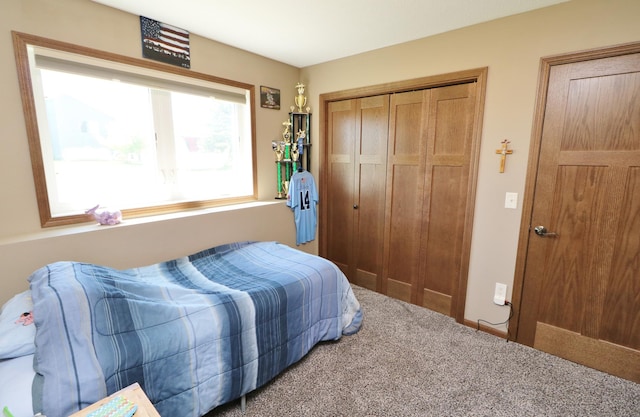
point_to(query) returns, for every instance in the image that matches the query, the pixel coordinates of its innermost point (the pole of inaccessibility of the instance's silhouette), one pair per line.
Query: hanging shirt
(302, 197)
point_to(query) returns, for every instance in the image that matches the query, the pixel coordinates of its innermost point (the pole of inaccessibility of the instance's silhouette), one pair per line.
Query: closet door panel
(341, 134)
(405, 179)
(446, 195)
(372, 126)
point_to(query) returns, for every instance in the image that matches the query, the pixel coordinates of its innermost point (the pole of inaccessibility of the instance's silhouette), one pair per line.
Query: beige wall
(511, 48)
(24, 246)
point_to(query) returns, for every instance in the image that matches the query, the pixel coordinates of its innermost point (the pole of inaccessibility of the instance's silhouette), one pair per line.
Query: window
(131, 134)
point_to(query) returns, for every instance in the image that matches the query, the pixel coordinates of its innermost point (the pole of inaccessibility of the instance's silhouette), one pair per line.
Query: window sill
(96, 228)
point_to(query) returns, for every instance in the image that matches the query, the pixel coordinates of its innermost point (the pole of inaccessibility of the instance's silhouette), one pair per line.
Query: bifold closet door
(429, 154)
(357, 146)
(400, 163)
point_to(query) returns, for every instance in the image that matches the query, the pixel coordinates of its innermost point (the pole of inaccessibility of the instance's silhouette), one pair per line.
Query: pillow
(17, 331)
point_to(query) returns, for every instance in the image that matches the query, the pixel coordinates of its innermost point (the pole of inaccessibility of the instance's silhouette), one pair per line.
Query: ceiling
(308, 32)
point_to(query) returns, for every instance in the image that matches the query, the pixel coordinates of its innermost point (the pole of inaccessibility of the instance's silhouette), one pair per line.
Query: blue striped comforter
(195, 332)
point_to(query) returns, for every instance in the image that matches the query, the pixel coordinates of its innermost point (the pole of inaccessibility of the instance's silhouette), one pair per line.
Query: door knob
(355, 206)
(542, 231)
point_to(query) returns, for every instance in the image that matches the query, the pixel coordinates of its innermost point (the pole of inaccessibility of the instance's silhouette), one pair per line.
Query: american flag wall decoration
(164, 43)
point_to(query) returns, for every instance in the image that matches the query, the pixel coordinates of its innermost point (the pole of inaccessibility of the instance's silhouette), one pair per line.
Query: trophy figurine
(286, 133)
(301, 135)
(277, 148)
(300, 100)
(294, 155)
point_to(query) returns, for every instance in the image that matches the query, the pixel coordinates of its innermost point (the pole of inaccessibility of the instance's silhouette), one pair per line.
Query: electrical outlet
(500, 294)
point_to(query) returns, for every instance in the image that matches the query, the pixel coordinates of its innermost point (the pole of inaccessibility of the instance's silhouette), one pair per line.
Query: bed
(194, 332)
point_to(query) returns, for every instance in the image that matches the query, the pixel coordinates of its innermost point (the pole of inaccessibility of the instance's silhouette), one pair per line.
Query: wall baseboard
(487, 329)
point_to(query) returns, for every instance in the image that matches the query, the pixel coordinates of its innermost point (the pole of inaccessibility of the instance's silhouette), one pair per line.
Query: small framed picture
(269, 98)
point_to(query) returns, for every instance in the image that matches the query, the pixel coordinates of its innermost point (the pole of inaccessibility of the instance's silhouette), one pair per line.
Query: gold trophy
(278, 149)
(300, 100)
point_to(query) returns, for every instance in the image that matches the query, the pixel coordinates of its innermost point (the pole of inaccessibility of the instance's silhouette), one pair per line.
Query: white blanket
(16, 376)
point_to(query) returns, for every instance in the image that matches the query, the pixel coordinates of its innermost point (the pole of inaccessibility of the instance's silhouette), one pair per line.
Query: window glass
(97, 147)
(208, 149)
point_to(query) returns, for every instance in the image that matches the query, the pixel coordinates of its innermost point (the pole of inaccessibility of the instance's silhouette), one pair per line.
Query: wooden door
(581, 289)
(356, 140)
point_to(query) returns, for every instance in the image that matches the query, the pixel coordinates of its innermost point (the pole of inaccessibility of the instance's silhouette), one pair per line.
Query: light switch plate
(511, 200)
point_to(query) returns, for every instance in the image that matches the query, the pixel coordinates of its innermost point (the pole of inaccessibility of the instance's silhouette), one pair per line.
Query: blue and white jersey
(302, 197)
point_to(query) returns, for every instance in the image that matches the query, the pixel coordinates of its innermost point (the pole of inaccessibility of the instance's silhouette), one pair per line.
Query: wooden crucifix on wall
(503, 152)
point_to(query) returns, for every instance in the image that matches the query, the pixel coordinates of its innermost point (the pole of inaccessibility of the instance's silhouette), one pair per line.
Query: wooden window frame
(21, 41)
